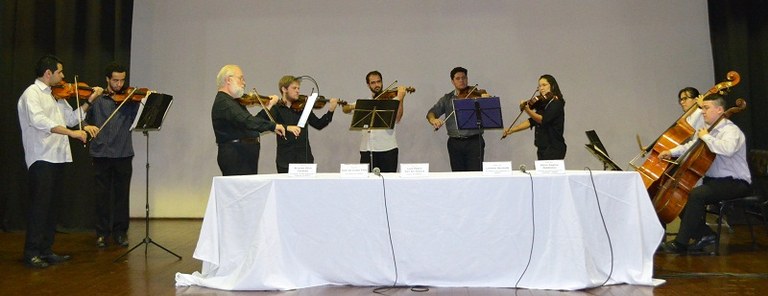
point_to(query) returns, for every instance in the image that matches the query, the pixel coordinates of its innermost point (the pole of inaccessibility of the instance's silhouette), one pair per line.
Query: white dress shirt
(696, 120)
(729, 143)
(39, 112)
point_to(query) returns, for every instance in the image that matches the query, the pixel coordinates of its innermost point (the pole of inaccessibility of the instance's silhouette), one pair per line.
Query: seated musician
(687, 99)
(727, 178)
(292, 148)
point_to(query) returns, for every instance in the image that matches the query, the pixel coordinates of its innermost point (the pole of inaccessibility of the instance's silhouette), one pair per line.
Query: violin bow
(269, 112)
(79, 111)
(386, 89)
(518, 116)
(128, 97)
(454, 111)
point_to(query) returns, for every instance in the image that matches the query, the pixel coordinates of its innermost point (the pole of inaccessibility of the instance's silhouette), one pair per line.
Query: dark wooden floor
(740, 270)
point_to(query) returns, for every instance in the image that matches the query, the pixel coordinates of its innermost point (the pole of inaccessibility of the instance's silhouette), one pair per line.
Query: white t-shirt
(378, 140)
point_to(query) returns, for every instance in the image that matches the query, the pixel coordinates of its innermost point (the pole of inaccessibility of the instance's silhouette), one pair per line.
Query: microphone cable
(605, 226)
(381, 290)
(533, 227)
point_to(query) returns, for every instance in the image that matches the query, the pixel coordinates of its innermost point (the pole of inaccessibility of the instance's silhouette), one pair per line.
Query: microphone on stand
(522, 169)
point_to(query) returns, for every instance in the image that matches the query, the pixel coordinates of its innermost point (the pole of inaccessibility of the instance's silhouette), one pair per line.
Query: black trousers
(693, 218)
(550, 153)
(45, 182)
(466, 154)
(238, 158)
(113, 185)
(386, 161)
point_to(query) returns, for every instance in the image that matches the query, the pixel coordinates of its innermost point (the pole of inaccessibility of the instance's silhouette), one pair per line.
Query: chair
(758, 163)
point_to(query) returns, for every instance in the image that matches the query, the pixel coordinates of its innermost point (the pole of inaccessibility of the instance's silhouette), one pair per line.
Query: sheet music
(307, 109)
(139, 112)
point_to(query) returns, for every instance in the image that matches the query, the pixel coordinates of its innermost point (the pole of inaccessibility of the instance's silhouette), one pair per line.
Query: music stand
(597, 149)
(374, 114)
(150, 117)
(483, 113)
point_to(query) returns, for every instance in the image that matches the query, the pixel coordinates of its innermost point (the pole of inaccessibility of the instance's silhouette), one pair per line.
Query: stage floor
(739, 270)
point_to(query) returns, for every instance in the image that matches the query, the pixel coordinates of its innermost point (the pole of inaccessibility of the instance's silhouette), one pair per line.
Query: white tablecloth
(268, 232)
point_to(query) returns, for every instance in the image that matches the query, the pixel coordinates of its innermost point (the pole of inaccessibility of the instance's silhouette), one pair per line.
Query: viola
(320, 102)
(135, 94)
(392, 93)
(64, 90)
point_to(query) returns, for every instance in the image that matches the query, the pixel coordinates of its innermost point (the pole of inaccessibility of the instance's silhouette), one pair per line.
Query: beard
(238, 91)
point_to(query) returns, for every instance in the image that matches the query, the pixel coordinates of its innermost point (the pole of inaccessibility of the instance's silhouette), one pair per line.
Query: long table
(276, 232)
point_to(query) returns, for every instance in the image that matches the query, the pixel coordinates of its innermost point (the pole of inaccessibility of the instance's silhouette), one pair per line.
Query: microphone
(522, 169)
(377, 171)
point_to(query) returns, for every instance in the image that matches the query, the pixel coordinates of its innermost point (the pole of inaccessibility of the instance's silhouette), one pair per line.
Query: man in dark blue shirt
(112, 155)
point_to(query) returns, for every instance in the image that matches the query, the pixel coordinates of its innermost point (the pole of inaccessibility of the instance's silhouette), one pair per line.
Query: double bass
(682, 175)
(653, 168)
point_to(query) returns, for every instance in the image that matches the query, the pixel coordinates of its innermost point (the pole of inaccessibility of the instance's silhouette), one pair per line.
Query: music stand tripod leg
(147, 240)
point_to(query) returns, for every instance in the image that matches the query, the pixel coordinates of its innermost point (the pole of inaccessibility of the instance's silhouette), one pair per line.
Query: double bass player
(727, 178)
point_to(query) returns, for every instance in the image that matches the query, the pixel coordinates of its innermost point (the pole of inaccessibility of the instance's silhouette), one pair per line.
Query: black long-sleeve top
(292, 149)
(232, 121)
(549, 133)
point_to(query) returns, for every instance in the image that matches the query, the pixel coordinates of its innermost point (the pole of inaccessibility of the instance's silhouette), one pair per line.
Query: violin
(392, 93)
(252, 98)
(537, 99)
(135, 96)
(386, 95)
(471, 93)
(64, 90)
(320, 102)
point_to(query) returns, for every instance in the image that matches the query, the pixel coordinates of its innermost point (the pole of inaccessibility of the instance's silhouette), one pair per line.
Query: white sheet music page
(307, 109)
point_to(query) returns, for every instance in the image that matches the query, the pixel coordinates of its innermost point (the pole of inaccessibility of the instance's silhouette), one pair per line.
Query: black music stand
(483, 113)
(478, 114)
(374, 114)
(150, 117)
(597, 149)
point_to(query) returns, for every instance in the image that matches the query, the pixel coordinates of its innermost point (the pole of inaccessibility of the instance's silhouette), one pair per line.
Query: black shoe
(121, 240)
(672, 247)
(704, 242)
(101, 242)
(55, 259)
(35, 262)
